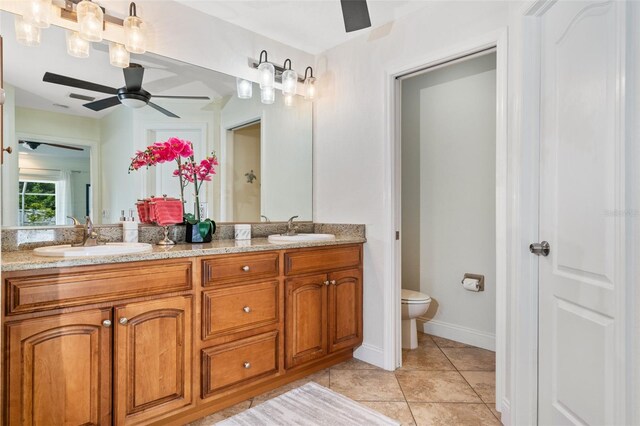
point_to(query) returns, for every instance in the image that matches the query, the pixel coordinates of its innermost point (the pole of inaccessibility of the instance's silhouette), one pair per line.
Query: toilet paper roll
(471, 284)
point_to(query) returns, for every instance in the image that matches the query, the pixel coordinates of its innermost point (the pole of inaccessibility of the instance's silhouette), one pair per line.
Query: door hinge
(397, 235)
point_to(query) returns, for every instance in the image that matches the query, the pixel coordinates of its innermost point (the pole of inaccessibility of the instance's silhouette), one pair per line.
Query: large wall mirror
(71, 160)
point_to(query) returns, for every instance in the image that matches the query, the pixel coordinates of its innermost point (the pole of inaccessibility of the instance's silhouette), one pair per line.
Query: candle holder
(166, 241)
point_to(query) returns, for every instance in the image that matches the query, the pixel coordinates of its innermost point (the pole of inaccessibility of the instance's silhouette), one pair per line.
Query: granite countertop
(26, 260)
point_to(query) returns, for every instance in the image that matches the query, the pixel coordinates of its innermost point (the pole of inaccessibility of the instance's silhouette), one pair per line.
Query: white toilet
(414, 304)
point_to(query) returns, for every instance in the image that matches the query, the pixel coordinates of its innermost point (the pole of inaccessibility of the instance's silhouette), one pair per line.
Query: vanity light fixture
(267, 72)
(309, 84)
(118, 55)
(76, 45)
(289, 80)
(26, 33)
(38, 13)
(289, 100)
(90, 18)
(245, 88)
(268, 95)
(135, 32)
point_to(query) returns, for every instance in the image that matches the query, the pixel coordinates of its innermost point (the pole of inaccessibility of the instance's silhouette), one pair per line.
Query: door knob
(8, 149)
(539, 249)
(106, 323)
(123, 321)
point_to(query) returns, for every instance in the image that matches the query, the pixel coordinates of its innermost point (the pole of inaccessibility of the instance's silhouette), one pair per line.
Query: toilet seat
(414, 297)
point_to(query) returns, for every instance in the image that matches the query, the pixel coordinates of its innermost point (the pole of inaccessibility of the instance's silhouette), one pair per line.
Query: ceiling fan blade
(162, 110)
(133, 76)
(62, 146)
(103, 103)
(50, 77)
(355, 14)
(204, 98)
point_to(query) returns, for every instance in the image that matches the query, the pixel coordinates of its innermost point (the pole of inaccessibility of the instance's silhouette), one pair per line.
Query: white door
(581, 281)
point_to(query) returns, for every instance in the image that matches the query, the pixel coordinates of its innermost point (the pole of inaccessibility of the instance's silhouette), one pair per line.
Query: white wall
(350, 155)
(450, 115)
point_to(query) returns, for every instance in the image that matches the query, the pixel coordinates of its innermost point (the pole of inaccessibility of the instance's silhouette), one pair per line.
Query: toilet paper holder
(478, 277)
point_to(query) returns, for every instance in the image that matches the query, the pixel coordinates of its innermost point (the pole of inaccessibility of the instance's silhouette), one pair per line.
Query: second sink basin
(109, 249)
(300, 238)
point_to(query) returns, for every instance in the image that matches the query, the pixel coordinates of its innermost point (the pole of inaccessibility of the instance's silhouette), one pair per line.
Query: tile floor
(442, 382)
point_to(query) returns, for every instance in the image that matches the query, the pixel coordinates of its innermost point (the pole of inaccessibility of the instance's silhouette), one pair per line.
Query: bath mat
(309, 405)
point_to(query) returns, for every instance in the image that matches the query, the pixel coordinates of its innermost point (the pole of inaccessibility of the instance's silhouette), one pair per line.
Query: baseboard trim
(370, 354)
(459, 333)
(505, 412)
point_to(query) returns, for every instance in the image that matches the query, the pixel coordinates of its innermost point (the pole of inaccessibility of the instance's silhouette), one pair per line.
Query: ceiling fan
(131, 95)
(355, 14)
(31, 145)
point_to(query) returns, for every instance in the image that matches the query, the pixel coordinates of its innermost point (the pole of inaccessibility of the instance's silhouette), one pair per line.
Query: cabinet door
(153, 359)
(306, 319)
(345, 309)
(59, 370)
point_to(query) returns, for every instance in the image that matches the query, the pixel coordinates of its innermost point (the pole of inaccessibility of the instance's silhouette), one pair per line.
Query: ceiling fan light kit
(91, 20)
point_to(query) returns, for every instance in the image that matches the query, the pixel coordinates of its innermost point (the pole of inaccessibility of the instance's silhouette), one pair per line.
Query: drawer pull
(106, 323)
(246, 309)
(246, 268)
(326, 283)
(333, 282)
(123, 321)
(246, 364)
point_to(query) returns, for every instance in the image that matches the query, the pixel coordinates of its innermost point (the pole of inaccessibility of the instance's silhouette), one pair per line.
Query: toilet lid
(411, 296)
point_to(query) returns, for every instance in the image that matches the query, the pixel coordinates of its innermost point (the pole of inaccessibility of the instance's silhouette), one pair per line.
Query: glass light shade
(267, 75)
(268, 95)
(135, 35)
(289, 82)
(26, 33)
(38, 13)
(133, 103)
(288, 100)
(245, 88)
(310, 88)
(76, 46)
(90, 18)
(118, 55)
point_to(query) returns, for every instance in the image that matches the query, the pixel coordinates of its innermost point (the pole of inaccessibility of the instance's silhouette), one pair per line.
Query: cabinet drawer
(73, 288)
(237, 362)
(304, 261)
(239, 308)
(240, 267)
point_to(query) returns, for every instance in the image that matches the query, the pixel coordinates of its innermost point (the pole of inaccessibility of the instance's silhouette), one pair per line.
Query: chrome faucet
(291, 228)
(90, 237)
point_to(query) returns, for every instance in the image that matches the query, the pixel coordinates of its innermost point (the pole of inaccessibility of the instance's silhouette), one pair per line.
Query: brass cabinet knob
(246, 364)
(245, 268)
(326, 283)
(123, 321)
(333, 282)
(106, 323)
(246, 309)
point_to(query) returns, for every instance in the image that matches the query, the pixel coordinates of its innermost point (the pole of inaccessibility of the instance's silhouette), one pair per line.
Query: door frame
(392, 335)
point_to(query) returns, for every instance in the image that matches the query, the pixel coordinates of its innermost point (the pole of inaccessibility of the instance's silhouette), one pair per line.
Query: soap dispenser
(130, 229)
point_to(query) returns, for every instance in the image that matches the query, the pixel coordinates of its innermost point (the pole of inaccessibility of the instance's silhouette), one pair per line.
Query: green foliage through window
(37, 203)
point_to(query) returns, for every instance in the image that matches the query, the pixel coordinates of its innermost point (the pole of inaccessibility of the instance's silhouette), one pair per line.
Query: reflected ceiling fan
(131, 95)
(31, 145)
(355, 14)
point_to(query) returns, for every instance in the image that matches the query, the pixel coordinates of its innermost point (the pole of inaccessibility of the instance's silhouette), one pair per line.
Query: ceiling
(25, 66)
(309, 25)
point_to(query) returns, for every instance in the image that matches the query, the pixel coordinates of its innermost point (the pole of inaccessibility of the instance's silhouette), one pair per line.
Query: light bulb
(267, 75)
(26, 33)
(245, 88)
(310, 88)
(288, 100)
(38, 13)
(118, 55)
(268, 95)
(90, 18)
(76, 46)
(289, 82)
(135, 35)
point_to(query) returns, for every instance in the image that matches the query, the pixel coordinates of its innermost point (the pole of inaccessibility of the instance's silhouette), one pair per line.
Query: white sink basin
(300, 238)
(109, 249)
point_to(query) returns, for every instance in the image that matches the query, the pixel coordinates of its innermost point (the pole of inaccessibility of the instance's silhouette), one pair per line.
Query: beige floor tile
(425, 359)
(495, 412)
(447, 414)
(484, 383)
(321, 378)
(435, 386)
(396, 410)
(446, 343)
(354, 364)
(366, 385)
(472, 359)
(426, 341)
(223, 414)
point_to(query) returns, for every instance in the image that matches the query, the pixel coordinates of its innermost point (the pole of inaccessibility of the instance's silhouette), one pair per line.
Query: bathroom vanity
(172, 336)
